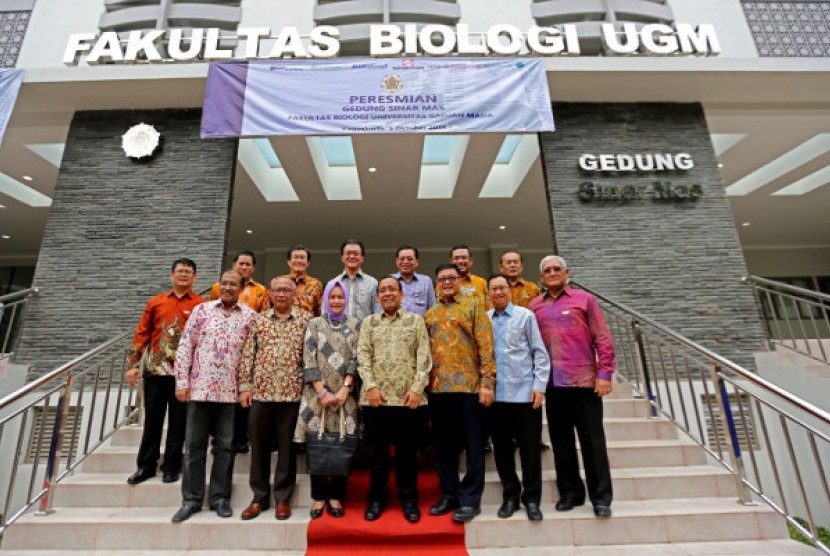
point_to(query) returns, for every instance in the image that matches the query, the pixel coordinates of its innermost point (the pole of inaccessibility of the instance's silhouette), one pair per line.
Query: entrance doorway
(486, 190)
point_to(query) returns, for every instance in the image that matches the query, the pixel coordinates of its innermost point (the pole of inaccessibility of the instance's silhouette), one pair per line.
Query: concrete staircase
(667, 501)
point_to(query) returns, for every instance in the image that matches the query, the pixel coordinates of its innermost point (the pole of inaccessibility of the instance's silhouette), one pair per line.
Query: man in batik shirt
(394, 361)
(309, 292)
(207, 366)
(418, 292)
(582, 365)
(522, 291)
(462, 381)
(157, 336)
(271, 383)
(255, 296)
(469, 284)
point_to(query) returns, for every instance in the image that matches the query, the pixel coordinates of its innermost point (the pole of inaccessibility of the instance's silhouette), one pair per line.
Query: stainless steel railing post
(643, 360)
(734, 445)
(50, 481)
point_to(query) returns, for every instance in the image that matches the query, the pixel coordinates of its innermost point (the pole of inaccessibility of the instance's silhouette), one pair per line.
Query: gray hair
(552, 258)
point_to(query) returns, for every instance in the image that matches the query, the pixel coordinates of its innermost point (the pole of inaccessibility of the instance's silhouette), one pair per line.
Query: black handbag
(330, 453)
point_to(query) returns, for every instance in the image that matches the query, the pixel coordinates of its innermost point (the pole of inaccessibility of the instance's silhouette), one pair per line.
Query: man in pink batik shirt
(582, 365)
(207, 367)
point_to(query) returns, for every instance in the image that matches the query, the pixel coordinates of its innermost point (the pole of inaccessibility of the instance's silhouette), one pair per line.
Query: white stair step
(111, 489)
(629, 453)
(109, 552)
(721, 548)
(642, 522)
(613, 408)
(115, 528)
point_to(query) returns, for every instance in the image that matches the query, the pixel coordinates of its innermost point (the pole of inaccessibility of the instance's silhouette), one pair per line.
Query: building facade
(670, 174)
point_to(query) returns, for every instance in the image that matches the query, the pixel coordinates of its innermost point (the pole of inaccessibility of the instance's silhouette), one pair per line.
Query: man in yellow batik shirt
(462, 381)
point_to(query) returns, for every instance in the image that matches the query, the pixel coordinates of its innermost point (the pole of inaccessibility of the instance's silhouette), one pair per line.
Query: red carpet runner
(391, 534)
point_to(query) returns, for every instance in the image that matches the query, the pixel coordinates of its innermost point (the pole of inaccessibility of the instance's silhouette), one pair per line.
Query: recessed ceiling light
(28, 178)
(502, 227)
(4, 236)
(249, 232)
(373, 169)
(746, 224)
(720, 165)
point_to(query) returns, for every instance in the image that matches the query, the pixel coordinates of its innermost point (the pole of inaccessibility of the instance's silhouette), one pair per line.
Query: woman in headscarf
(330, 372)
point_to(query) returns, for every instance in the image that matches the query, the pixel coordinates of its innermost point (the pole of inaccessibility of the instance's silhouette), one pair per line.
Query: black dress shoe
(336, 512)
(602, 511)
(241, 448)
(140, 476)
(184, 513)
(411, 512)
(443, 506)
(316, 513)
(533, 511)
(223, 509)
(465, 514)
(169, 476)
(508, 508)
(566, 505)
(373, 511)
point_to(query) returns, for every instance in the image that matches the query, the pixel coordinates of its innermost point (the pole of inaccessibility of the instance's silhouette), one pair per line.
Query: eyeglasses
(449, 279)
(549, 269)
(281, 290)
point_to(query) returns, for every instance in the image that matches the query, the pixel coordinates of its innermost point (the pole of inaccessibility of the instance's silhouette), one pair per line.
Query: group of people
(256, 368)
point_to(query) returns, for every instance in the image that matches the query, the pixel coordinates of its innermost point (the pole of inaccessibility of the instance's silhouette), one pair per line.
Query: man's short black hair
(494, 276)
(298, 247)
(245, 252)
(393, 277)
(183, 261)
(461, 246)
(405, 247)
(353, 242)
(446, 266)
(232, 271)
(501, 257)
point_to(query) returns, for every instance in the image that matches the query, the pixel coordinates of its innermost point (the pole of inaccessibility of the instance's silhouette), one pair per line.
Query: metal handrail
(94, 385)
(13, 308)
(9, 297)
(719, 359)
(774, 443)
(752, 279)
(796, 318)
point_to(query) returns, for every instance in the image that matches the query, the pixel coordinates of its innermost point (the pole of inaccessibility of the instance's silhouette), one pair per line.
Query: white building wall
(480, 15)
(278, 13)
(53, 21)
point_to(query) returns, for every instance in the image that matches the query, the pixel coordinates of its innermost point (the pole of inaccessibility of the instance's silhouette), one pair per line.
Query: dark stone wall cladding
(678, 262)
(116, 225)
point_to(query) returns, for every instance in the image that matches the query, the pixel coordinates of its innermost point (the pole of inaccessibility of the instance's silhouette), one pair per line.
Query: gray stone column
(116, 225)
(678, 262)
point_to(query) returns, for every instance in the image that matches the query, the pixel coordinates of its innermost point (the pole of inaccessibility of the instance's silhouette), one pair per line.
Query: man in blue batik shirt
(523, 369)
(418, 292)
